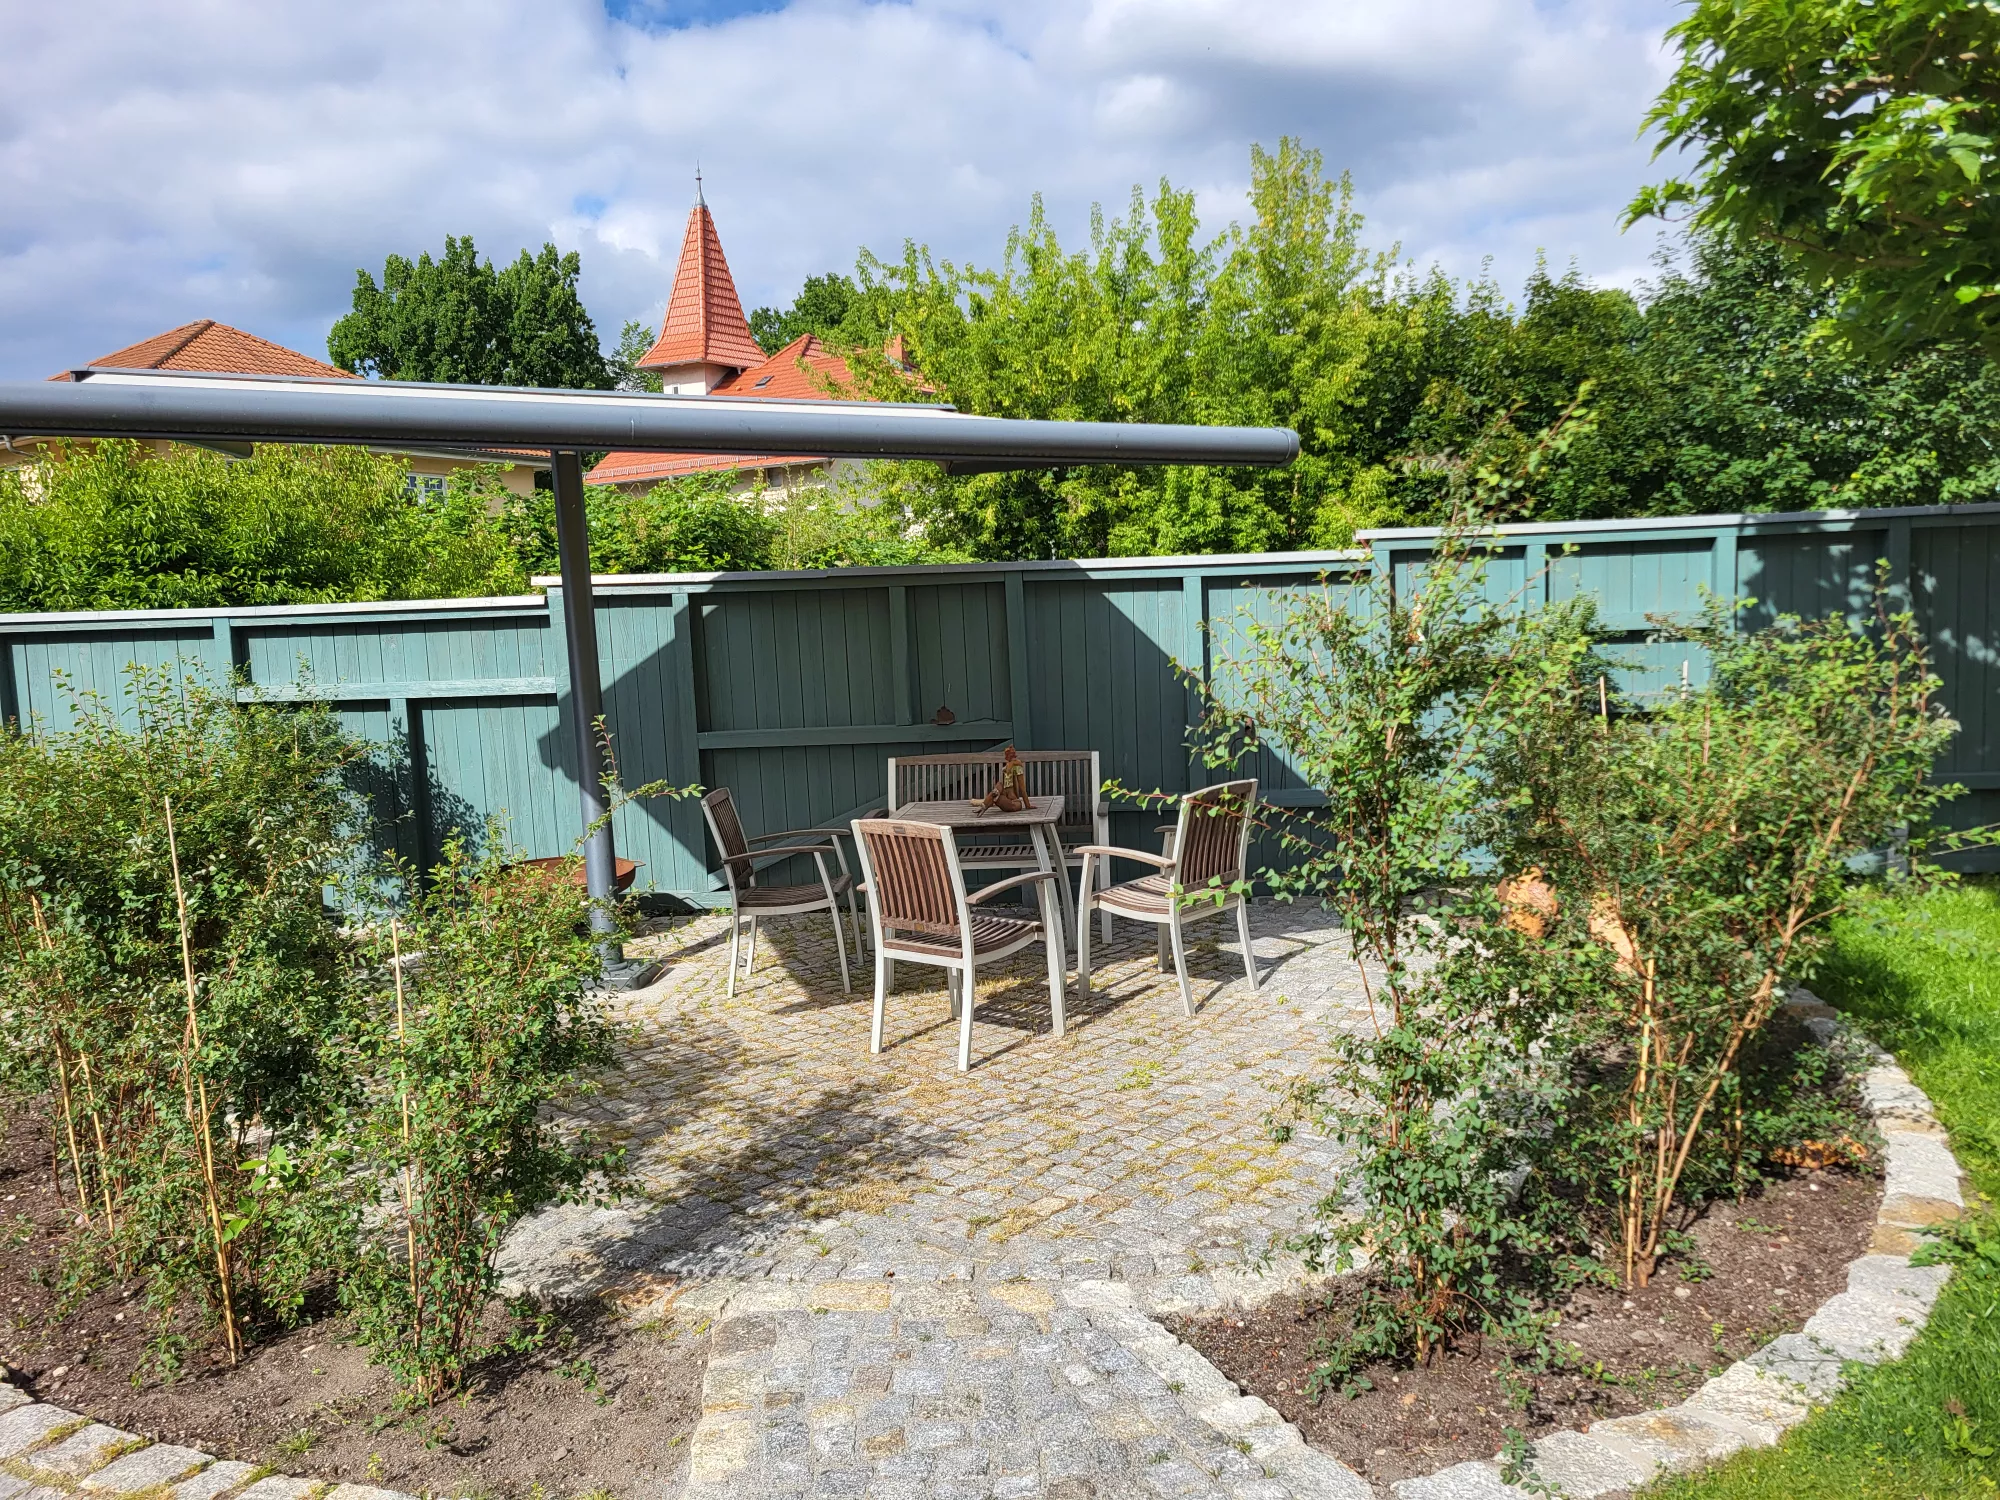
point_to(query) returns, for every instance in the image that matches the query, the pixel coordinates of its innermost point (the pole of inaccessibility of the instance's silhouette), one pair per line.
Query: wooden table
(1038, 820)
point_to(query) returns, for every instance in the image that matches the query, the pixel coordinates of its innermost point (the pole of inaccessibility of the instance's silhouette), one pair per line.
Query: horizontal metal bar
(1304, 796)
(1643, 528)
(142, 405)
(1972, 781)
(855, 734)
(377, 611)
(422, 691)
(1208, 566)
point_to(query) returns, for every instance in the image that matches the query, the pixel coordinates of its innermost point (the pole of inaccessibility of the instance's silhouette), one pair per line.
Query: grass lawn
(1923, 979)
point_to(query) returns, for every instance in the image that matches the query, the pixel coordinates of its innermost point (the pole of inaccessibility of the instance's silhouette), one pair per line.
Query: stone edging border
(47, 1453)
(1749, 1405)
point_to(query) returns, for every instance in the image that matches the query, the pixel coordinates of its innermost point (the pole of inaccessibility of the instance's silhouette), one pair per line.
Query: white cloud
(222, 158)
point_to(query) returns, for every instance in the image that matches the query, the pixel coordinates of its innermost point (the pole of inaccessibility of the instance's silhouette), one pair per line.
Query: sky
(239, 160)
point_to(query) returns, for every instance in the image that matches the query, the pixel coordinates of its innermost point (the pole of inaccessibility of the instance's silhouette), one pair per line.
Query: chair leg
(1243, 932)
(854, 921)
(951, 991)
(751, 962)
(881, 1000)
(1104, 912)
(1159, 944)
(965, 994)
(1051, 940)
(1180, 970)
(735, 936)
(1083, 953)
(840, 942)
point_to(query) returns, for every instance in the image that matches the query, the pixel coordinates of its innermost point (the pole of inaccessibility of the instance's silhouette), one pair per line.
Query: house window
(423, 487)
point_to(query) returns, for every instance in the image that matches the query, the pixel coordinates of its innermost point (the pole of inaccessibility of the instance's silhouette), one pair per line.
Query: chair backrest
(1072, 775)
(1213, 839)
(914, 882)
(727, 831)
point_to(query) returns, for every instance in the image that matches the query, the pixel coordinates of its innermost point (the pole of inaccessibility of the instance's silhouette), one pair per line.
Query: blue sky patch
(678, 15)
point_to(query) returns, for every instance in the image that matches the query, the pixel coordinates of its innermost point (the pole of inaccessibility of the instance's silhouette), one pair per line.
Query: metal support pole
(600, 865)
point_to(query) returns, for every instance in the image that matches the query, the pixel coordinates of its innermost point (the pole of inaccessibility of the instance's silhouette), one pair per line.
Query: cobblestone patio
(922, 1282)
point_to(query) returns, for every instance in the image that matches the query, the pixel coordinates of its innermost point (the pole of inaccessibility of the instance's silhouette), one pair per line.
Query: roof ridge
(199, 326)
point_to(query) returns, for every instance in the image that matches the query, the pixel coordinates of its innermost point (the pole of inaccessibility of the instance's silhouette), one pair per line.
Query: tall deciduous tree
(821, 307)
(459, 319)
(1859, 134)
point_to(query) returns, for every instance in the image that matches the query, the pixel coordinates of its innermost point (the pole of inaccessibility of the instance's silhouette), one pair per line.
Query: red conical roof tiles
(704, 322)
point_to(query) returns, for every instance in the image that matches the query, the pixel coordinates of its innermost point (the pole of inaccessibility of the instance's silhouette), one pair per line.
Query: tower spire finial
(700, 201)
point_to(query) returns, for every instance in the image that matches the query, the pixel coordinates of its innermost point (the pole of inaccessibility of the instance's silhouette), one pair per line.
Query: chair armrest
(1035, 877)
(765, 838)
(1166, 828)
(1164, 861)
(1104, 807)
(791, 849)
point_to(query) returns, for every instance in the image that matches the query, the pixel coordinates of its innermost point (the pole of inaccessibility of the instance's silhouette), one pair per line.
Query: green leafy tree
(1860, 135)
(634, 339)
(458, 319)
(823, 306)
(1731, 401)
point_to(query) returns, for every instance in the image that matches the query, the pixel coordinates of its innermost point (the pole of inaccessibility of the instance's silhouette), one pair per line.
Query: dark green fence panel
(794, 689)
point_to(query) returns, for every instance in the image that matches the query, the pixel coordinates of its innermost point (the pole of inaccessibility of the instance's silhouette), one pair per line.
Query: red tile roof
(704, 322)
(801, 371)
(216, 348)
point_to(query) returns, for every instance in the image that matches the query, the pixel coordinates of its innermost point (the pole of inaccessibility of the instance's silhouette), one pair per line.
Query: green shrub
(487, 1020)
(114, 526)
(180, 1004)
(1393, 699)
(1711, 840)
(687, 525)
(1542, 1076)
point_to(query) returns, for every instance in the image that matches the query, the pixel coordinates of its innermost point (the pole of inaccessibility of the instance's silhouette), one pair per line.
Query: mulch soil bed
(596, 1406)
(1775, 1257)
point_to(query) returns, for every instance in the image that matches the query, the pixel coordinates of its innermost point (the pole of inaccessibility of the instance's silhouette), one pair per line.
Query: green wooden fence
(793, 688)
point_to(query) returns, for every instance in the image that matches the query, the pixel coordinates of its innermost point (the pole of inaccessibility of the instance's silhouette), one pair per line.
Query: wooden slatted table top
(960, 812)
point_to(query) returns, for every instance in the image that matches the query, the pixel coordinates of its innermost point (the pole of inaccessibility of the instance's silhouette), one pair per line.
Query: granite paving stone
(146, 1469)
(84, 1451)
(214, 1481)
(28, 1427)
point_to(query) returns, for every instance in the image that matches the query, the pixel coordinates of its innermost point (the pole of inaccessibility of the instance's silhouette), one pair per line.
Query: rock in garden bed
(1772, 1260)
(594, 1406)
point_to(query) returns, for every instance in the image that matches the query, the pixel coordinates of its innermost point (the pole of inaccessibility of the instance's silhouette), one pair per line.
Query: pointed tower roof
(704, 322)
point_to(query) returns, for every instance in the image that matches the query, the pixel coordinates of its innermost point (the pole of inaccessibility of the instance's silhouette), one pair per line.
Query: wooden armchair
(920, 913)
(747, 898)
(1204, 859)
